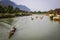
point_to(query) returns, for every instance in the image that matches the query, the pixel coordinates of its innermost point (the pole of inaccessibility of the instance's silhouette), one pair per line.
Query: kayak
(11, 33)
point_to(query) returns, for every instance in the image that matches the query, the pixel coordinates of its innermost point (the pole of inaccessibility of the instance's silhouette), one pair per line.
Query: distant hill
(8, 2)
(23, 7)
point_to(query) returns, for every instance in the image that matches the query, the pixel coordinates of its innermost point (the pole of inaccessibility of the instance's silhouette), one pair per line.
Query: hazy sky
(42, 5)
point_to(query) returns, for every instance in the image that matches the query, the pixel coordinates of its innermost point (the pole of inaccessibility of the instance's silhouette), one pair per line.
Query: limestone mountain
(9, 2)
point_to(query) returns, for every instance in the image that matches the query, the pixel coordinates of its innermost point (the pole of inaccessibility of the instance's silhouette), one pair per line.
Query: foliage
(37, 12)
(9, 9)
(55, 11)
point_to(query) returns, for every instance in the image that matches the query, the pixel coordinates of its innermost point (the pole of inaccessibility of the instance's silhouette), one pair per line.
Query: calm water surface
(36, 29)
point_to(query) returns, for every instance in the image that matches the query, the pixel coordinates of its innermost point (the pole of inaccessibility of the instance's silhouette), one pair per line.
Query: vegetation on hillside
(10, 11)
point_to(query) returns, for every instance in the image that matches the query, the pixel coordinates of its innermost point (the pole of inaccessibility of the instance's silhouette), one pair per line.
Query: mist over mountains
(8, 2)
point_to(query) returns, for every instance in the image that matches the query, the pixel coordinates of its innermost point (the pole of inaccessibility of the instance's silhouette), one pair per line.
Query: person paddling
(11, 32)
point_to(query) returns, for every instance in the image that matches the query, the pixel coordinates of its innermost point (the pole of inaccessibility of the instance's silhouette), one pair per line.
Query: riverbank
(54, 17)
(7, 15)
(7, 20)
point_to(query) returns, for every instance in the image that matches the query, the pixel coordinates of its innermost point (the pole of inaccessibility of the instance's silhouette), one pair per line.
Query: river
(36, 29)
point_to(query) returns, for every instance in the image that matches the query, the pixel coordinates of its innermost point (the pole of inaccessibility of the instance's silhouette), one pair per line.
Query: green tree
(17, 10)
(9, 9)
(1, 8)
(39, 12)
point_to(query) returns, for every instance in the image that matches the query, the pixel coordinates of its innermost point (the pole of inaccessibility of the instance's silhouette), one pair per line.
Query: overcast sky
(42, 5)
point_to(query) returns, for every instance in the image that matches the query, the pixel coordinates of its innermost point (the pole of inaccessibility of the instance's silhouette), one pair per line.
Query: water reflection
(37, 29)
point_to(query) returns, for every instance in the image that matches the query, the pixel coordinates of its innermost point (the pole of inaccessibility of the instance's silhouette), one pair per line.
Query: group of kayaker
(41, 17)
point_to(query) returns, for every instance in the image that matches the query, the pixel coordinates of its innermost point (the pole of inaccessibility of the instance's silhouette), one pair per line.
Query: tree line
(9, 9)
(55, 11)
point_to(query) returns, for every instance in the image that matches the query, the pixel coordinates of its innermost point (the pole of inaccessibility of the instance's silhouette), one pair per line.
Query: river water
(36, 29)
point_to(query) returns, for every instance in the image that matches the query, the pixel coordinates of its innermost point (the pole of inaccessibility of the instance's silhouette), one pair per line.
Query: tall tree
(10, 9)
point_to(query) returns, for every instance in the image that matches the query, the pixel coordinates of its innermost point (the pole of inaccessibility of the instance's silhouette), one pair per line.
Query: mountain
(8, 2)
(23, 7)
